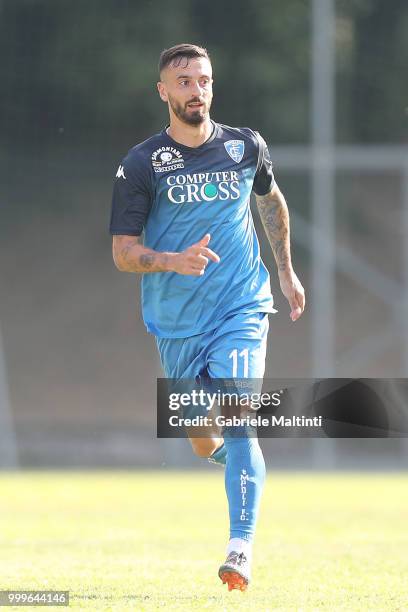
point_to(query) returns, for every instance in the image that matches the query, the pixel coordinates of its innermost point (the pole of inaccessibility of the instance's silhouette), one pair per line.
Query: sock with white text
(244, 480)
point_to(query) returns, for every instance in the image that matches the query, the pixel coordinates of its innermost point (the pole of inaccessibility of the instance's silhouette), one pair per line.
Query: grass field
(154, 540)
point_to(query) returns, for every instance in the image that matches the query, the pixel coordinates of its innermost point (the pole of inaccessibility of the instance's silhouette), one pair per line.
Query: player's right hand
(194, 260)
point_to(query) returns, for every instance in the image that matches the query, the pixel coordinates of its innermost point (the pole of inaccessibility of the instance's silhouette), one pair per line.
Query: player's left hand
(293, 291)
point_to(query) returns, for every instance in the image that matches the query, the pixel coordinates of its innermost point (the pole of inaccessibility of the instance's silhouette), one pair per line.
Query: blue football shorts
(234, 349)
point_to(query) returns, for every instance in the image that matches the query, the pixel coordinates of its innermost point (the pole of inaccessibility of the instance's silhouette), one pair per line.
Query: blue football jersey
(176, 194)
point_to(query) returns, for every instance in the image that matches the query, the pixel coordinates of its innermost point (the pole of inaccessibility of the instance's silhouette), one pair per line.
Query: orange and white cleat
(235, 571)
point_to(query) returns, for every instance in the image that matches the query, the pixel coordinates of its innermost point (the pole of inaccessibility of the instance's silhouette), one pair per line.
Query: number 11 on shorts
(234, 356)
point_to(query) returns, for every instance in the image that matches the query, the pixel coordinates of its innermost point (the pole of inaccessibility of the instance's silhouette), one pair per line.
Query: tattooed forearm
(146, 260)
(275, 219)
(130, 255)
(124, 248)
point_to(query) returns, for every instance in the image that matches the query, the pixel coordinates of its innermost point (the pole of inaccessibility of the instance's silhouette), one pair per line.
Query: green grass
(150, 541)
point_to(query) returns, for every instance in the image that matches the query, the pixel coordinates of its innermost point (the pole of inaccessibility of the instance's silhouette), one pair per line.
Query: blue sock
(220, 455)
(244, 479)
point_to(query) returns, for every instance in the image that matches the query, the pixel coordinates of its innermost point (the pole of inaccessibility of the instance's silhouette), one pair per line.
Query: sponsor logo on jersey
(121, 173)
(235, 149)
(167, 159)
(203, 187)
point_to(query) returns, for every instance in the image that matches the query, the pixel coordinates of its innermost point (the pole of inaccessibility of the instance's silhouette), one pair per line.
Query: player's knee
(203, 447)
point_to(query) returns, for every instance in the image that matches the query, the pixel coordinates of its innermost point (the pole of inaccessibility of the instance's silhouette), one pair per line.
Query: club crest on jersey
(166, 159)
(235, 149)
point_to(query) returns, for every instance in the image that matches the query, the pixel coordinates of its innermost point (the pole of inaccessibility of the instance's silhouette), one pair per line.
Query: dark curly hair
(175, 54)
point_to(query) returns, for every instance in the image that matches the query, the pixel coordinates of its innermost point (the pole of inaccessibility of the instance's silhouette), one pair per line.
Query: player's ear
(162, 91)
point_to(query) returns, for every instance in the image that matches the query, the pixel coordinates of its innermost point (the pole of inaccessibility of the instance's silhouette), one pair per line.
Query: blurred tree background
(84, 73)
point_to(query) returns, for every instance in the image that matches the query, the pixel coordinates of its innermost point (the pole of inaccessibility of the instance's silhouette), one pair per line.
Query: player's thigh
(183, 361)
(181, 357)
(238, 349)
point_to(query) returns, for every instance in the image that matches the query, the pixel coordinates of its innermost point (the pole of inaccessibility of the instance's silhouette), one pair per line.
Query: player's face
(187, 87)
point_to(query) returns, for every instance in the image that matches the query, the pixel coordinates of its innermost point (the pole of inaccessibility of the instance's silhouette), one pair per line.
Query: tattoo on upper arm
(275, 219)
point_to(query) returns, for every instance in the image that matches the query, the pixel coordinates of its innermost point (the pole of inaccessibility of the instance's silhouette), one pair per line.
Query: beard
(191, 117)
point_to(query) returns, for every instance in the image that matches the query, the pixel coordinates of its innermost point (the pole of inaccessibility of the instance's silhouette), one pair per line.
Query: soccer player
(181, 217)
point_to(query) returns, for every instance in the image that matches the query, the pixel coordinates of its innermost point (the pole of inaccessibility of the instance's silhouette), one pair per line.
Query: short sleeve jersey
(174, 195)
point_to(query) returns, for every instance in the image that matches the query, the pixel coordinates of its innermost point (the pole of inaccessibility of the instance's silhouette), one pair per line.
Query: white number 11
(234, 356)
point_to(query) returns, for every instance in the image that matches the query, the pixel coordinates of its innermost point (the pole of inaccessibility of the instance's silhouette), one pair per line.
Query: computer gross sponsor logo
(203, 187)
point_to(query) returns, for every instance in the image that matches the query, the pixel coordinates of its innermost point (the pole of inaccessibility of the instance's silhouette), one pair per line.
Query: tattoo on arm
(132, 260)
(126, 249)
(146, 260)
(275, 219)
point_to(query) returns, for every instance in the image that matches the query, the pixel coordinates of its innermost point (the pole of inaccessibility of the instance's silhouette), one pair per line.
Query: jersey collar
(212, 136)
